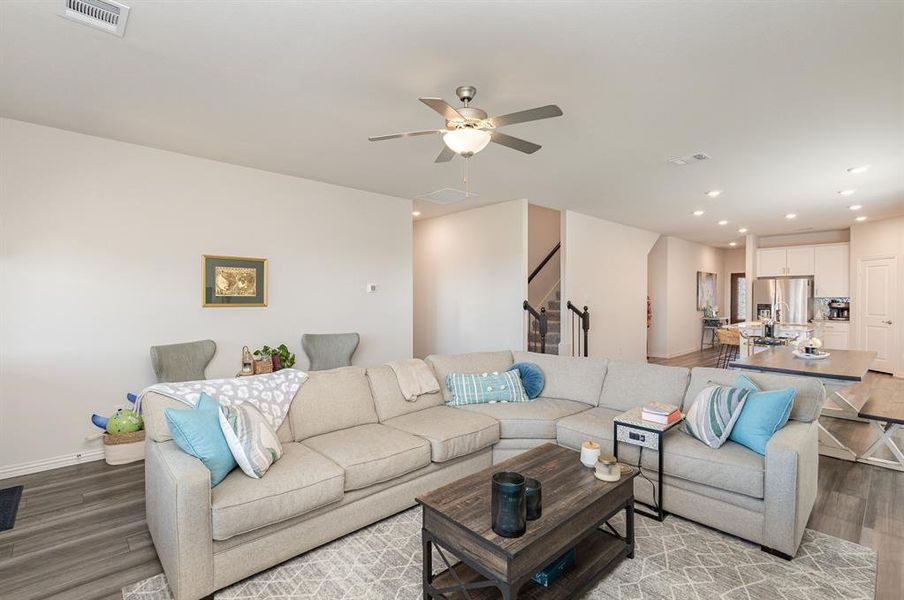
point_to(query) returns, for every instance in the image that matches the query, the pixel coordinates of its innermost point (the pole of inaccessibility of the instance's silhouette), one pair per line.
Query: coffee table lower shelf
(596, 555)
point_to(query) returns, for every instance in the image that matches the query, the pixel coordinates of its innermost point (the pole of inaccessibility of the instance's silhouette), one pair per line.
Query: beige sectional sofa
(355, 452)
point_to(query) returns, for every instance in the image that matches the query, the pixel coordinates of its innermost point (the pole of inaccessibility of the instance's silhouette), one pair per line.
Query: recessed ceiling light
(732, 244)
(861, 218)
(858, 170)
(415, 213)
(855, 206)
(714, 193)
(846, 192)
(698, 213)
(723, 222)
(742, 230)
(790, 216)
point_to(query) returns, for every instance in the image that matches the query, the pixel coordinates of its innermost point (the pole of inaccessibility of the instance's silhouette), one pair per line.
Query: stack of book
(657, 412)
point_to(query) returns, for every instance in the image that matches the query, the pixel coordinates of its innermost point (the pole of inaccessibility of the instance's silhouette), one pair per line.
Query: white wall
(875, 239)
(544, 231)
(470, 274)
(605, 268)
(677, 262)
(100, 258)
(802, 239)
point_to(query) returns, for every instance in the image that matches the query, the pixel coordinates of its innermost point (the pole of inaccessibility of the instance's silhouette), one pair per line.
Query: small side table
(630, 428)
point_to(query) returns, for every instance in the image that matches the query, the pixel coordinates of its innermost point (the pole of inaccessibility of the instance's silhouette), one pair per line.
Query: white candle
(590, 453)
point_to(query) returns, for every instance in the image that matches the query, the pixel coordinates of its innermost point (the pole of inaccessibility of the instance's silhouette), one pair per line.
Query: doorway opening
(738, 303)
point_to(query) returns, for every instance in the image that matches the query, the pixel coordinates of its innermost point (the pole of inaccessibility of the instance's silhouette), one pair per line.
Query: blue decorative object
(551, 572)
(197, 432)
(508, 504)
(100, 421)
(764, 413)
(532, 378)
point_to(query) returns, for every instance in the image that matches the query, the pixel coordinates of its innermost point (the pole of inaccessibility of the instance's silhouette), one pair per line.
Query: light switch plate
(371, 288)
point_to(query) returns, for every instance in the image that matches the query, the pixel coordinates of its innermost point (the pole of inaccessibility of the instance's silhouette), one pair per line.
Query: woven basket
(123, 448)
(263, 365)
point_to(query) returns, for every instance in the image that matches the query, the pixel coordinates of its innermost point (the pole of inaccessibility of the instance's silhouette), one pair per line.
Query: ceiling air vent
(689, 159)
(105, 15)
(445, 196)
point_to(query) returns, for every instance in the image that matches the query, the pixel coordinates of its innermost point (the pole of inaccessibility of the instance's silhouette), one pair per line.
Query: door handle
(887, 322)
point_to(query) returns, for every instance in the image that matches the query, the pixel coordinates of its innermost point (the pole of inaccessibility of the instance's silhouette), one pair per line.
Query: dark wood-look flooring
(81, 531)
(856, 502)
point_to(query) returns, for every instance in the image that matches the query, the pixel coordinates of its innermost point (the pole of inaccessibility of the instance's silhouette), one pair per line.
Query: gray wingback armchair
(329, 350)
(182, 362)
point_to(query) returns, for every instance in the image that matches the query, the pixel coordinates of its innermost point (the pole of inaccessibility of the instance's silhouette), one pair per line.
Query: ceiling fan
(468, 130)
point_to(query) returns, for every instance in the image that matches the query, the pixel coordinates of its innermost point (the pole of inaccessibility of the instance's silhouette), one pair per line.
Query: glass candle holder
(508, 504)
(533, 498)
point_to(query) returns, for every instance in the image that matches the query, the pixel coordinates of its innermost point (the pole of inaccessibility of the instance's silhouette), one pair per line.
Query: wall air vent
(105, 15)
(445, 196)
(689, 159)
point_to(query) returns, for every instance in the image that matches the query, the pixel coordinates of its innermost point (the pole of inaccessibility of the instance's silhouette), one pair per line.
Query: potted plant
(280, 356)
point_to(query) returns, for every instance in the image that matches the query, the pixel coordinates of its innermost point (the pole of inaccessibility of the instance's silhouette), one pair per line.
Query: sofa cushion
(731, 467)
(388, 398)
(472, 362)
(300, 481)
(630, 384)
(713, 413)
(330, 401)
(451, 433)
(534, 419)
(809, 393)
(372, 453)
(569, 377)
(484, 388)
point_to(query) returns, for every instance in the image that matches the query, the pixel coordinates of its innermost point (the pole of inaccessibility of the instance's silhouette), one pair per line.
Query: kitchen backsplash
(821, 307)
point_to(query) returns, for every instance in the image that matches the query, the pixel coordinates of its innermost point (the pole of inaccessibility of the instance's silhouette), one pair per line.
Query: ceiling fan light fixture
(466, 141)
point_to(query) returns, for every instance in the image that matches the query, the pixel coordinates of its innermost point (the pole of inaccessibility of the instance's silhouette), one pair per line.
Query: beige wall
(605, 268)
(677, 324)
(100, 253)
(470, 274)
(544, 231)
(873, 240)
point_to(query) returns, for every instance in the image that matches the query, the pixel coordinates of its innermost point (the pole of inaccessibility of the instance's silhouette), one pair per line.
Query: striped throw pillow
(484, 388)
(714, 412)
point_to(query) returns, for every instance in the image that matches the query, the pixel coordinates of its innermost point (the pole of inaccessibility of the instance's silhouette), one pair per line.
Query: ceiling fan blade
(443, 108)
(533, 114)
(446, 155)
(380, 138)
(514, 143)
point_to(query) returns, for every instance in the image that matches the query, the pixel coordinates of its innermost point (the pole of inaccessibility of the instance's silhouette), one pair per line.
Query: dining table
(837, 372)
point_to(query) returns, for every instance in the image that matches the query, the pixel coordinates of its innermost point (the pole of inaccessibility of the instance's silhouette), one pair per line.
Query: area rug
(676, 559)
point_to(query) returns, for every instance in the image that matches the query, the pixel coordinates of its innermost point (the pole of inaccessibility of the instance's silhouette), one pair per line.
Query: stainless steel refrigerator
(788, 298)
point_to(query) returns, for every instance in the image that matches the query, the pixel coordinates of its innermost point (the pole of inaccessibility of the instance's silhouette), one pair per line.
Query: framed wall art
(706, 290)
(233, 281)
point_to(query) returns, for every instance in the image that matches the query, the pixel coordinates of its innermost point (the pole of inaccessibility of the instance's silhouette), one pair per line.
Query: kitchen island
(836, 372)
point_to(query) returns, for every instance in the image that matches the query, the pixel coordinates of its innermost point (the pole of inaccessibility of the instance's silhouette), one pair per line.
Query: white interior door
(878, 329)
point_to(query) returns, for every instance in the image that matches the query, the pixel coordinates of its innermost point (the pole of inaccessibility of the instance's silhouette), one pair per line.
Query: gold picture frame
(233, 281)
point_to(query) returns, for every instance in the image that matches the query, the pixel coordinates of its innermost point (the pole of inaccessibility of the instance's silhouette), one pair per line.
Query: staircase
(554, 327)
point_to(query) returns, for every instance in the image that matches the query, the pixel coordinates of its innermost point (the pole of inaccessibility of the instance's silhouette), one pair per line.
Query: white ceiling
(783, 96)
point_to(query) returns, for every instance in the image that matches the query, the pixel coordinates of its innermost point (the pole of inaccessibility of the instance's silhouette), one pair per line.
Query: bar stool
(729, 346)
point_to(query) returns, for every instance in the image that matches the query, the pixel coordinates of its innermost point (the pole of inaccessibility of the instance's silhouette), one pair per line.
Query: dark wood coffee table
(456, 519)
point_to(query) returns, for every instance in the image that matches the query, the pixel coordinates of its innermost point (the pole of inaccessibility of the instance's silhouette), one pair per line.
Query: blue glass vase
(509, 505)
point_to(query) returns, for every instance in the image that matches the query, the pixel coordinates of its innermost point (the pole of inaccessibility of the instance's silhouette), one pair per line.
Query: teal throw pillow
(197, 432)
(531, 378)
(485, 388)
(764, 413)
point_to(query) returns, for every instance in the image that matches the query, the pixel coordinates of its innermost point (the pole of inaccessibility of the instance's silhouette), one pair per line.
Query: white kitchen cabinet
(785, 262)
(832, 273)
(771, 262)
(799, 261)
(835, 335)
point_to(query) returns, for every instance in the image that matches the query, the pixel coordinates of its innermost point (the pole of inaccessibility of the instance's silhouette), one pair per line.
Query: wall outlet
(371, 288)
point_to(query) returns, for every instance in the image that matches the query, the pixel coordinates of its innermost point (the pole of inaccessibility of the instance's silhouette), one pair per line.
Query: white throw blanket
(415, 378)
(270, 393)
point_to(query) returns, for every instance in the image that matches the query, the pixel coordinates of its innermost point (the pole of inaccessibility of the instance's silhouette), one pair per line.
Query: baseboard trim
(55, 462)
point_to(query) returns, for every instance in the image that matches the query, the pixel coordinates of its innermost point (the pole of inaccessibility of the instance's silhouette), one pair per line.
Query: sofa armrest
(792, 466)
(177, 497)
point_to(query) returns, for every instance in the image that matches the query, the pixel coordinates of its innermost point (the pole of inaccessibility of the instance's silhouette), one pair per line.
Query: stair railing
(540, 316)
(543, 262)
(579, 341)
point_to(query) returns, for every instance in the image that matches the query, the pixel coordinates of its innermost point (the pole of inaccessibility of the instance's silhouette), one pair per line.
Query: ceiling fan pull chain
(467, 180)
